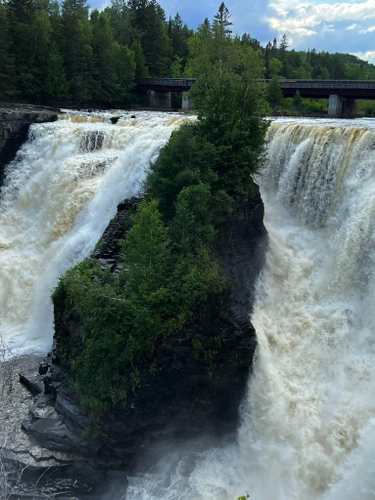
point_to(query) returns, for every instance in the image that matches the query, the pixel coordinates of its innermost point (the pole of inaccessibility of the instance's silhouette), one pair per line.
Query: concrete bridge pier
(186, 101)
(160, 99)
(335, 105)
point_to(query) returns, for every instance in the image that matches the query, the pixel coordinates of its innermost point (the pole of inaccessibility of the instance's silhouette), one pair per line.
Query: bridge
(341, 93)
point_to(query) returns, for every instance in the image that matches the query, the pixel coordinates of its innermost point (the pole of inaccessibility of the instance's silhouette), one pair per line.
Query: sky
(332, 26)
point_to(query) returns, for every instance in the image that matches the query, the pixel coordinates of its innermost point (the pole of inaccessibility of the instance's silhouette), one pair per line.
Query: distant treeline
(48, 50)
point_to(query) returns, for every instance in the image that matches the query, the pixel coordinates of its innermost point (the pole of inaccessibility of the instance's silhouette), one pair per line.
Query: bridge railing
(166, 82)
(326, 84)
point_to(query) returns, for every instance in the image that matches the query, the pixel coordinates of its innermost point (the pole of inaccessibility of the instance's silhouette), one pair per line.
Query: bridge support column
(160, 99)
(186, 101)
(335, 105)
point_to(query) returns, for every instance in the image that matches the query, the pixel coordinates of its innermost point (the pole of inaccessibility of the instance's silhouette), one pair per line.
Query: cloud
(324, 25)
(370, 29)
(369, 55)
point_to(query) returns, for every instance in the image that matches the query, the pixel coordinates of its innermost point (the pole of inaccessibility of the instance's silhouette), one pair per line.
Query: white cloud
(370, 29)
(325, 24)
(368, 55)
(302, 32)
(310, 14)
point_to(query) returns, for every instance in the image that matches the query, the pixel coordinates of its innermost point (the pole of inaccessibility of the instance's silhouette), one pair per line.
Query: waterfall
(312, 396)
(308, 422)
(60, 192)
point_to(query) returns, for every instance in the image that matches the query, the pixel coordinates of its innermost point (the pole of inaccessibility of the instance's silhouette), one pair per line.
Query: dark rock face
(29, 468)
(198, 377)
(14, 126)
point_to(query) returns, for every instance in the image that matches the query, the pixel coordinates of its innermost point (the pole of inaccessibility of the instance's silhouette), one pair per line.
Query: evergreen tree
(227, 94)
(76, 40)
(274, 94)
(7, 69)
(104, 48)
(141, 70)
(222, 17)
(179, 34)
(121, 20)
(149, 19)
(22, 46)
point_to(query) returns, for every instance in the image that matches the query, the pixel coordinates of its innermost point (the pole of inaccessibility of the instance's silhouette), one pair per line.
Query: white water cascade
(308, 423)
(60, 193)
(308, 426)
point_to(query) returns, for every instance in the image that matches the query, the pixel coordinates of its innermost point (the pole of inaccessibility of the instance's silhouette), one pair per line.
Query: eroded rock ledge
(14, 125)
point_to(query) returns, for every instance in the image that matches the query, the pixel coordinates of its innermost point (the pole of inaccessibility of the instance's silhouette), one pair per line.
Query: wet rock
(14, 126)
(34, 385)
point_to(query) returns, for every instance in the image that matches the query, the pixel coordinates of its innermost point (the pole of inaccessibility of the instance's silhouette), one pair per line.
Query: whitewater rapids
(308, 422)
(60, 192)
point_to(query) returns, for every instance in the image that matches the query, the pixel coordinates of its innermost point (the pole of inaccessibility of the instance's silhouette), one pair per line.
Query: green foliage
(274, 95)
(164, 274)
(185, 161)
(230, 105)
(168, 267)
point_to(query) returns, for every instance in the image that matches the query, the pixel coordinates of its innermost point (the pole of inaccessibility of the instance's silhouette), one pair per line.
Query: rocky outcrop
(196, 384)
(30, 469)
(14, 125)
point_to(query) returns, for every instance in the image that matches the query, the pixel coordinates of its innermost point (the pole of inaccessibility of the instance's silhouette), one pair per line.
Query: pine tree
(149, 19)
(22, 46)
(222, 17)
(76, 48)
(7, 69)
(104, 53)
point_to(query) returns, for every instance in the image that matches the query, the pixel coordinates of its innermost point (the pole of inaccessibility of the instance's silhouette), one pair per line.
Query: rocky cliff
(199, 374)
(191, 387)
(14, 125)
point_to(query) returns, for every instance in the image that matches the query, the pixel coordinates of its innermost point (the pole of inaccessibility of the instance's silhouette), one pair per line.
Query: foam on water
(308, 422)
(60, 193)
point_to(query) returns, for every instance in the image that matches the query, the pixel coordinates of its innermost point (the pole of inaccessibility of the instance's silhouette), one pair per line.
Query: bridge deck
(352, 89)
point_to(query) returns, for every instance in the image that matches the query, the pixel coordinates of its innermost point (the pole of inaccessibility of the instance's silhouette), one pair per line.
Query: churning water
(308, 422)
(60, 193)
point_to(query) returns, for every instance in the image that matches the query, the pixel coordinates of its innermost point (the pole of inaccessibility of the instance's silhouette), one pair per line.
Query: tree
(298, 101)
(20, 14)
(76, 40)
(7, 69)
(222, 17)
(284, 44)
(141, 70)
(274, 95)
(274, 67)
(104, 55)
(148, 19)
(247, 39)
(228, 96)
(179, 34)
(121, 20)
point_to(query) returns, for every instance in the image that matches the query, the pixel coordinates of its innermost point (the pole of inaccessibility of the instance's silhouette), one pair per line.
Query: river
(308, 423)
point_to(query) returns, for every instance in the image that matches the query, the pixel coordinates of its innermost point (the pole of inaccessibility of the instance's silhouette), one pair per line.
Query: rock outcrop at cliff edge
(191, 388)
(15, 121)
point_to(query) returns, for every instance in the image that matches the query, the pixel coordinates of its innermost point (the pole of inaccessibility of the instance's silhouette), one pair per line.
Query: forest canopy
(49, 50)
